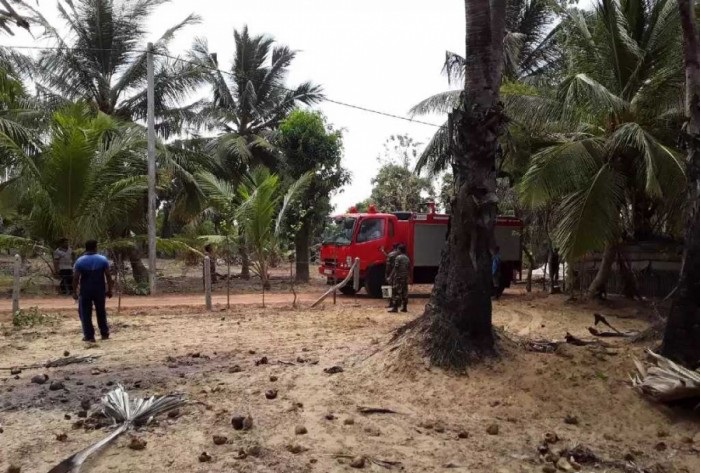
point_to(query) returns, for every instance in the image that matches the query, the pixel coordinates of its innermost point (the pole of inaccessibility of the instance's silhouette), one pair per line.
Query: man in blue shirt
(90, 273)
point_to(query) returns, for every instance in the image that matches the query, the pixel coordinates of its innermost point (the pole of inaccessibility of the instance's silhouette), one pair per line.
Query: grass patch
(27, 318)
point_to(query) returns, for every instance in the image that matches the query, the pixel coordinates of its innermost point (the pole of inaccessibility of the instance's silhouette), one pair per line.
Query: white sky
(381, 54)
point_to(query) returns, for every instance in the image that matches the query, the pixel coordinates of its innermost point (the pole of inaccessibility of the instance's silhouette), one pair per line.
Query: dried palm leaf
(126, 413)
(665, 381)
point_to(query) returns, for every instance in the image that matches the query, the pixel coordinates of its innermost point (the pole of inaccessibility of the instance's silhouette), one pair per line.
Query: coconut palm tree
(247, 104)
(85, 177)
(258, 207)
(613, 123)
(103, 61)
(250, 101)
(680, 342)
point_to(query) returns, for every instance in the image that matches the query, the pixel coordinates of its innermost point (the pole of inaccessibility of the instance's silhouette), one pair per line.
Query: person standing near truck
(389, 266)
(400, 280)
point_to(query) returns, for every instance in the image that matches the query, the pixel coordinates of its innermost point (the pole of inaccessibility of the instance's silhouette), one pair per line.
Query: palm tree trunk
(630, 285)
(456, 326)
(681, 340)
(167, 227)
(529, 275)
(138, 269)
(245, 262)
(302, 254)
(597, 288)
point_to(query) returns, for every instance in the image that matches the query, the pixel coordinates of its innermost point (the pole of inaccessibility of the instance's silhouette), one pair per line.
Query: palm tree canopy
(613, 120)
(250, 101)
(84, 180)
(532, 53)
(103, 61)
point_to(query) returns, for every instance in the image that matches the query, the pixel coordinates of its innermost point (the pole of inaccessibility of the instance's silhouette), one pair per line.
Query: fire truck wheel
(374, 281)
(348, 290)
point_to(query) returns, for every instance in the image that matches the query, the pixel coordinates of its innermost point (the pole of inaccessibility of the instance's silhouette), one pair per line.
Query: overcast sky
(381, 54)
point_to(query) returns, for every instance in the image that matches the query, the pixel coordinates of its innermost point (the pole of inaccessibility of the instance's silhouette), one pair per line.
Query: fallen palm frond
(66, 360)
(665, 381)
(69, 360)
(125, 412)
(389, 464)
(598, 318)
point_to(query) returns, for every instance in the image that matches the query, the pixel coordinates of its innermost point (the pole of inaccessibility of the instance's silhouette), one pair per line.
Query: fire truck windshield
(340, 232)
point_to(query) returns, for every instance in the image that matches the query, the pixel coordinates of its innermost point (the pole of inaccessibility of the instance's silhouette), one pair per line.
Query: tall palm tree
(613, 123)
(456, 326)
(248, 103)
(680, 341)
(103, 62)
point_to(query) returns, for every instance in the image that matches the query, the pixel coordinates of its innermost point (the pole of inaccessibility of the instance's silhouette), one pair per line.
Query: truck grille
(330, 262)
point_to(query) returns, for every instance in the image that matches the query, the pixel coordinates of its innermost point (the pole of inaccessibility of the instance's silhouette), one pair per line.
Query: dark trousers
(85, 303)
(66, 284)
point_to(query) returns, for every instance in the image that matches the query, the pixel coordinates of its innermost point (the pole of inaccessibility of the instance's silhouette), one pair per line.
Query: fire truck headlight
(349, 261)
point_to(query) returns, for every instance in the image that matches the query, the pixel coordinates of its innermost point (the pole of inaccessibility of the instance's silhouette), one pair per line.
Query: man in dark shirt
(90, 273)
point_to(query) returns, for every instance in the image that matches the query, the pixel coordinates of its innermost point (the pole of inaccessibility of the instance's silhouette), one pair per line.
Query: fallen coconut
(137, 443)
(358, 462)
(39, 378)
(300, 430)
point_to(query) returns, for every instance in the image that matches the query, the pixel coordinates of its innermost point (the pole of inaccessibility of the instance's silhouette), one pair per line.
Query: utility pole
(150, 124)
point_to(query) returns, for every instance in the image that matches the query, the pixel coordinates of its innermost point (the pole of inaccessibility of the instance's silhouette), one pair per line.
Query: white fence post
(15, 286)
(207, 284)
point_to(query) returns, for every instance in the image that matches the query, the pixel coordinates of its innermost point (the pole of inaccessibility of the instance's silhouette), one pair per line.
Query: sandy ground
(525, 394)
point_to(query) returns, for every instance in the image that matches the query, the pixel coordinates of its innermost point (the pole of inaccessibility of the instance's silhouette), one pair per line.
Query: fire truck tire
(507, 274)
(374, 281)
(348, 290)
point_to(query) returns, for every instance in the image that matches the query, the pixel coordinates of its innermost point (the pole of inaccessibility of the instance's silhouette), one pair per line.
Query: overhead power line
(156, 53)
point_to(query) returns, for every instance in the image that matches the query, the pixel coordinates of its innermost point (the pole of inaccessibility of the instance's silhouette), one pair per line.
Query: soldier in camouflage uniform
(389, 266)
(400, 280)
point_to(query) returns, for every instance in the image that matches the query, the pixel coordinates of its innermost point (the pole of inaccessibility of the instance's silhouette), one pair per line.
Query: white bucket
(386, 292)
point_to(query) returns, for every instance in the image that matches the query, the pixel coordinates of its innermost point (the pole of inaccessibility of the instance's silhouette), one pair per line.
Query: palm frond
(557, 170)
(126, 412)
(443, 103)
(661, 169)
(294, 192)
(218, 191)
(588, 219)
(435, 157)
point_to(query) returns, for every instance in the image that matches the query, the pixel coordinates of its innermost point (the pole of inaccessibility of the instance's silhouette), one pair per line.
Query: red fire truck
(366, 235)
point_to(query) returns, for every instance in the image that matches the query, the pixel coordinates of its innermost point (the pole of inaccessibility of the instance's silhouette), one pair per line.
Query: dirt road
(167, 300)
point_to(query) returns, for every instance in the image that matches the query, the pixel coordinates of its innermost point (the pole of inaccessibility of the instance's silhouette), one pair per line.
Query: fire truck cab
(368, 236)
